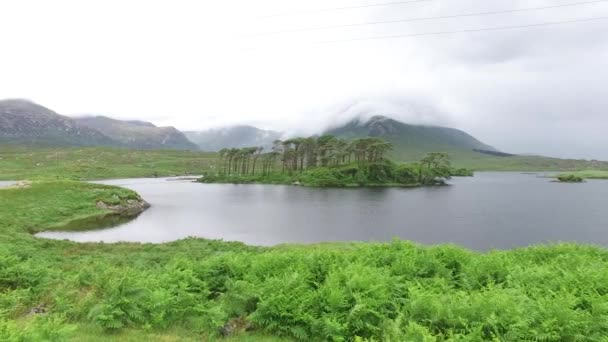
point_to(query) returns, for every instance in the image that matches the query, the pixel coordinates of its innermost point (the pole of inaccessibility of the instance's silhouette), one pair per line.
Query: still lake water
(4, 184)
(490, 210)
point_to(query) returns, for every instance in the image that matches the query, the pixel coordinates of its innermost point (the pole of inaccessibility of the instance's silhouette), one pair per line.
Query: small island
(328, 161)
(570, 178)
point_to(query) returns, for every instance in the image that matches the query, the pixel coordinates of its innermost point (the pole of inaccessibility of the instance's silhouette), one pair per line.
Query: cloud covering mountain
(536, 89)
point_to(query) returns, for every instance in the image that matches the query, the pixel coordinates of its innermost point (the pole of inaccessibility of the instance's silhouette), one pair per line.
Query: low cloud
(530, 90)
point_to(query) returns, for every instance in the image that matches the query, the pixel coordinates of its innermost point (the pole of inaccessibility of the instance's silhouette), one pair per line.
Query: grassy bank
(89, 163)
(97, 163)
(482, 162)
(589, 174)
(196, 289)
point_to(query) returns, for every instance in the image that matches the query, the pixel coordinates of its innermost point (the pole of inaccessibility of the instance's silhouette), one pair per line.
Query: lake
(490, 210)
(4, 184)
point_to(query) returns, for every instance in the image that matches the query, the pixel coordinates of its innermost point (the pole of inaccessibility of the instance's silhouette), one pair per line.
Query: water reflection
(492, 210)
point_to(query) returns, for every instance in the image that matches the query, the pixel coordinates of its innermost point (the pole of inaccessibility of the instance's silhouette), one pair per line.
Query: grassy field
(484, 162)
(98, 163)
(105, 163)
(195, 289)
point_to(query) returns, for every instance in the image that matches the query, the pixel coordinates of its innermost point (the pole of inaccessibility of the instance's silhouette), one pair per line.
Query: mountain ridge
(25, 122)
(411, 142)
(138, 134)
(28, 123)
(236, 136)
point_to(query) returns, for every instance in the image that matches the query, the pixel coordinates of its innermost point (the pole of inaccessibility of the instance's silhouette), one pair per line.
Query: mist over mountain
(232, 137)
(26, 123)
(411, 141)
(138, 134)
(388, 128)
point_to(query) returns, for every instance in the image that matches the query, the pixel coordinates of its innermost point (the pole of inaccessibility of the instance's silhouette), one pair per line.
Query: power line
(341, 8)
(462, 31)
(424, 18)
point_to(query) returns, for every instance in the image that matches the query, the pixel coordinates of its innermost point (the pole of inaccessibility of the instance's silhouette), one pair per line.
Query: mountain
(232, 137)
(138, 134)
(28, 123)
(411, 142)
(24, 122)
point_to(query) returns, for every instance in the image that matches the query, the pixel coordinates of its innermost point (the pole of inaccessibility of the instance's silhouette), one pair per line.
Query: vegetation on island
(570, 179)
(328, 161)
(196, 289)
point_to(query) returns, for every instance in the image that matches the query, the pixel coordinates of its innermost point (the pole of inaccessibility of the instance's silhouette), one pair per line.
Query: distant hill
(411, 142)
(232, 137)
(138, 134)
(24, 122)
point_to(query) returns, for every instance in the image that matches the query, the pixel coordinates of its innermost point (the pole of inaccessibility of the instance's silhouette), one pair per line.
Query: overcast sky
(198, 64)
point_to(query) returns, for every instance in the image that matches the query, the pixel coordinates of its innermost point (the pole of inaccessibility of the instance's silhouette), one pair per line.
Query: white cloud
(191, 64)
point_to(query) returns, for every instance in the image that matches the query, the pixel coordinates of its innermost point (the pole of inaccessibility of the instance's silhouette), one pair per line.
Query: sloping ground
(26, 123)
(98, 162)
(409, 139)
(484, 162)
(138, 134)
(412, 142)
(103, 163)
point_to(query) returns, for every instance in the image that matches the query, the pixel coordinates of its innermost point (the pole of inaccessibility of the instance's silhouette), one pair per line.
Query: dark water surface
(491, 210)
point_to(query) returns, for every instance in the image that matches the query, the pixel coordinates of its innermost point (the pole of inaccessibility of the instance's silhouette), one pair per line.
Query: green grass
(97, 163)
(89, 163)
(484, 162)
(189, 289)
(412, 143)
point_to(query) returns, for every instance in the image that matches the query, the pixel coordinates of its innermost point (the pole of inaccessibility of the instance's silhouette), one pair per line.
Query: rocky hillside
(24, 122)
(138, 134)
(232, 137)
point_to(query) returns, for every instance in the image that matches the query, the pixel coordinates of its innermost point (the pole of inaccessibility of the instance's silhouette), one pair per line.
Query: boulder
(130, 207)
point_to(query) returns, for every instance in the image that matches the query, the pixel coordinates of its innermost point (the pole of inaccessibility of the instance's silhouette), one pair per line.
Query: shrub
(380, 172)
(406, 174)
(462, 172)
(570, 178)
(324, 177)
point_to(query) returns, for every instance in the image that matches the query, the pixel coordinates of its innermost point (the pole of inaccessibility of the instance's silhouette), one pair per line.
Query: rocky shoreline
(131, 207)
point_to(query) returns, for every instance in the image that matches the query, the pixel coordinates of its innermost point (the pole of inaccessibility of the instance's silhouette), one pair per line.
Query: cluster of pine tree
(328, 161)
(299, 154)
